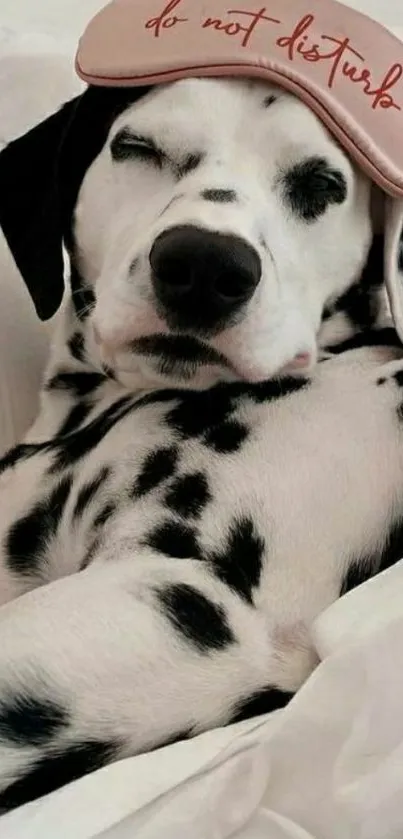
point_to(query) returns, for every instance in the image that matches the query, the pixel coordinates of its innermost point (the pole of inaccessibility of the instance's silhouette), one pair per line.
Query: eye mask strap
(394, 259)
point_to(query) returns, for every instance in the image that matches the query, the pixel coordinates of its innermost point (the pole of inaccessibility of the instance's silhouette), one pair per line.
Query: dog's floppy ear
(393, 258)
(30, 212)
(40, 176)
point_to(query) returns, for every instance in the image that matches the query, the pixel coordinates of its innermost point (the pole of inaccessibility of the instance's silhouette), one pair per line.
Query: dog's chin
(136, 372)
(152, 374)
(167, 359)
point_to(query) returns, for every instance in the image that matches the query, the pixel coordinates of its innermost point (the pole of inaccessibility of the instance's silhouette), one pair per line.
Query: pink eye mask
(344, 66)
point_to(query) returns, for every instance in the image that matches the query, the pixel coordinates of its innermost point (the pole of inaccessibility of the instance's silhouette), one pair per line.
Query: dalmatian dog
(219, 449)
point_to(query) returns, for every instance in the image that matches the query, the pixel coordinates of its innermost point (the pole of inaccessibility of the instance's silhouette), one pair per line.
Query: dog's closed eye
(311, 186)
(128, 146)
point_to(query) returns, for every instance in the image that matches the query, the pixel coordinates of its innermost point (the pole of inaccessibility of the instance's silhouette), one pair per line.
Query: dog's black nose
(202, 278)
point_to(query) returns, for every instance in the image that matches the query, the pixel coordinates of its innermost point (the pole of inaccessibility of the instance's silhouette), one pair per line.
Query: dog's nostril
(201, 270)
(173, 274)
(233, 286)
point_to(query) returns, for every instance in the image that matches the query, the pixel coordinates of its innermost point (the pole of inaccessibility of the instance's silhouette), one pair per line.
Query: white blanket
(330, 766)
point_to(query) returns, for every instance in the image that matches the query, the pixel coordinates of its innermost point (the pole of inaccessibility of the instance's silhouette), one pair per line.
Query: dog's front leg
(119, 659)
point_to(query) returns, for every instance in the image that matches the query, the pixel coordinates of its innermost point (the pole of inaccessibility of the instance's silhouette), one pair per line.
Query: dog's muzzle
(202, 279)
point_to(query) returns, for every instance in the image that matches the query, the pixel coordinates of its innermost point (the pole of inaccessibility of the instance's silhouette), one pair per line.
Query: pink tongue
(300, 361)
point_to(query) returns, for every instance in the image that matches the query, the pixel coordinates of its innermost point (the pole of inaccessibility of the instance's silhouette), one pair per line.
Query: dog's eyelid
(127, 135)
(127, 139)
(128, 143)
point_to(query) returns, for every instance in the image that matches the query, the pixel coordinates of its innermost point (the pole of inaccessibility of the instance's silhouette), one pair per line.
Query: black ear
(29, 208)
(40, 176)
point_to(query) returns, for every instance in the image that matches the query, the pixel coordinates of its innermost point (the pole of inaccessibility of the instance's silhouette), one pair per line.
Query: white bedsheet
(330, 766)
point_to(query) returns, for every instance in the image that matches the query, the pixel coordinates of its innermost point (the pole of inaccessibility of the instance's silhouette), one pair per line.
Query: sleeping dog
(219, 450)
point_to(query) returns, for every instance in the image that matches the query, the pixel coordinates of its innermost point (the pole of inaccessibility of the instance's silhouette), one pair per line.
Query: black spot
(269, 100)
(54, 770)
(262, 702)
(220, 196)
(72, 447)
(191, 162)
(188, 495)
(202, 624)
(22, 452)
(174, 539)
(275, 389)
(104, 514)
(158, 466)
(357, 573)
(239, 563)
(76, 345)
(12, 457)
(198, 411)
(27, 720)
(400, 257)
(164, 396)
(29, 536)
(372, 275)
(311, 186)
(74, 418)
(369, 338)
(82, 295)
(80, 384)
(361, 302)
(226, 438)
(87, 492)
(359, 305)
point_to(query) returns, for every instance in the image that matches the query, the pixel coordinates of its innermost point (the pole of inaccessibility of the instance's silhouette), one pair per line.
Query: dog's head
(209, 224)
